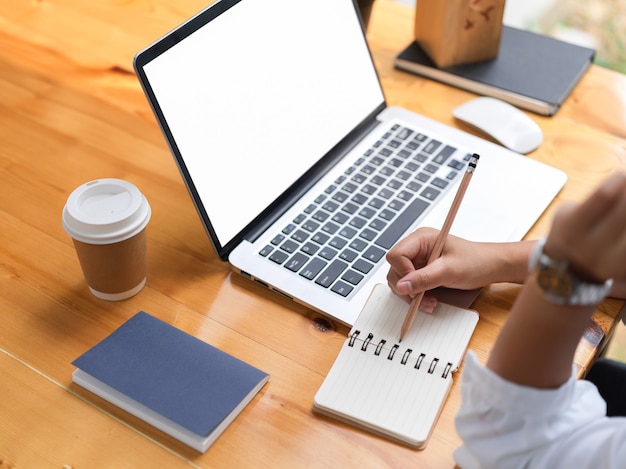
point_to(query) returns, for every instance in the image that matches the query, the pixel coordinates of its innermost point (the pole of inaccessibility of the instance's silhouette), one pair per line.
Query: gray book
(175, 382)
(532, 71)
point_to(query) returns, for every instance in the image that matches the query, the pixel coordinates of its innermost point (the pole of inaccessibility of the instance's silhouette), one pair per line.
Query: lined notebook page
(393, 388)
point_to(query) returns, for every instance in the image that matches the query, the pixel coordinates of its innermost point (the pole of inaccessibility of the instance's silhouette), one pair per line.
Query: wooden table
(71, 110)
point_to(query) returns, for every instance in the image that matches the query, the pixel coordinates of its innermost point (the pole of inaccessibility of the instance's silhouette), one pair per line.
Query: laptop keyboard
(346, 231)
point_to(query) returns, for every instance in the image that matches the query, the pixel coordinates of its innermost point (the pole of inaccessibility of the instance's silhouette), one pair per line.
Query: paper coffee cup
(107, 220)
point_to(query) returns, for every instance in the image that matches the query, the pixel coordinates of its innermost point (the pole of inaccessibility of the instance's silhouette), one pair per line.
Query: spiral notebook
(396, 389)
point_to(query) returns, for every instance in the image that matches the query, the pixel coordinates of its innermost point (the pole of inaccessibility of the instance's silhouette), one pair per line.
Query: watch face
(555, 282)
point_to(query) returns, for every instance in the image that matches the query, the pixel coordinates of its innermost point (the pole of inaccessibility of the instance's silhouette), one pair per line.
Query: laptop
(302, 176)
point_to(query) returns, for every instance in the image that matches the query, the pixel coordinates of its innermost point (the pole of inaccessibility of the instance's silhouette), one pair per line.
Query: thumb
(419, 281)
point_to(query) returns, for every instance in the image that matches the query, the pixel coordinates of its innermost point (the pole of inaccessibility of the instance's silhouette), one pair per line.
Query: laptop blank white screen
(253, 101)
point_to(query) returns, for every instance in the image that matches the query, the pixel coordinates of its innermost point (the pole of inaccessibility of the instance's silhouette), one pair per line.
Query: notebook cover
(171, 372)
(532, 71)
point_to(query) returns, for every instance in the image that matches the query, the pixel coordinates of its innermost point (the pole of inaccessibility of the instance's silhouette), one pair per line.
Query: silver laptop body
(268, 106)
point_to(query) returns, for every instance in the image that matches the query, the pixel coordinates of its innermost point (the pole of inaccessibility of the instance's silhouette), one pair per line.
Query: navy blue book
(532, 71)
(170, 379)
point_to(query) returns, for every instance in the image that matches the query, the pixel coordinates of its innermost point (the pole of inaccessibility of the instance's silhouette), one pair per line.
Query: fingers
(426, 278)
(428, 304)
(406, 258)
(591, 236)
(412, 252)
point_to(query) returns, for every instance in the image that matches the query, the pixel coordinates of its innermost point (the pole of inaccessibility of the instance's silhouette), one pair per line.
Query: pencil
(441, 240)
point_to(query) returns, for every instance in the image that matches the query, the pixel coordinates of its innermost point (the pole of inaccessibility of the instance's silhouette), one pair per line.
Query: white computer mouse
(503, 122)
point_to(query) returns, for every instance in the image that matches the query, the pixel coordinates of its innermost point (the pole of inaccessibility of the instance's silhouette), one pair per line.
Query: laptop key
(338, 242)
(414, 186)
(331, 273)
(358, 244)
(368, 189)
(412, 145)
(277, 239)
(423, 177)
(327, 253)
(348, 255)
(359, 199)
(430, 193)
(289, 246)
(342, 288)
(378, 224)
(309, 248)
(362, 266)
(367, 212)
(397, 228)
(266, 250)
(310, 225)
(404, 133)
(387, 214)
(296, 262)
(349, 187)
(396, 204)
(385, 193)
(313, 268)
(357, 222)
(432, 146)
(279, 257)
(352, 277)
(300, 236)
(340, 197)
(431, 168)
(320, 198)
(340, 218)
(440, 183)
(444, 154)
(368, 234)
(330, 206)
(405, 195)
(330, 228)
(347, 232)
(320, 238)
(350, 208)
(320, 216)
(458, 165)
(376, 203)
(374, 254)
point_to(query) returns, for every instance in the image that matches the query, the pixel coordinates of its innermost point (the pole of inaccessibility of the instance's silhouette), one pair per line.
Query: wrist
(560, 283)
(511, 263)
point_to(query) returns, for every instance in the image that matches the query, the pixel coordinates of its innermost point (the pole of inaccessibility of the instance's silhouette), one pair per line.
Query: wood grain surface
(71, 110)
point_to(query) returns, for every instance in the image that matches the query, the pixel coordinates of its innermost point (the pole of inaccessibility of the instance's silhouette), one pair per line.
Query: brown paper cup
(107, 220)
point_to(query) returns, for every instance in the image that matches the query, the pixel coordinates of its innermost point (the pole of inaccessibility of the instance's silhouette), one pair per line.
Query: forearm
(537, 344)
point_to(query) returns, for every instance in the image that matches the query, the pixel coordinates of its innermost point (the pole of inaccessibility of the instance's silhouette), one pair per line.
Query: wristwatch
(559, 284)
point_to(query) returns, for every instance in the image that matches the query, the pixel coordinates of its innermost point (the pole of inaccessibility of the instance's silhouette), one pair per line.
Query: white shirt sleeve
(505, 425)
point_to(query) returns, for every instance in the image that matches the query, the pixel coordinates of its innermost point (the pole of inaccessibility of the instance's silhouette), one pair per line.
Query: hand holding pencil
(441, 240)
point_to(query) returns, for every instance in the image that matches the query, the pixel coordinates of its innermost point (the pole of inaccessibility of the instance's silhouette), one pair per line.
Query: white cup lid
(105, 211)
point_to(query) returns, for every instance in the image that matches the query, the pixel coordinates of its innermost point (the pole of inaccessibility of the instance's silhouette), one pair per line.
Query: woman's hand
(591, 236)
(463, 264)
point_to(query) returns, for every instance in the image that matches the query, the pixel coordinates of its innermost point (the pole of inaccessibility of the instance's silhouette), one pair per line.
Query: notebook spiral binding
(392, 353)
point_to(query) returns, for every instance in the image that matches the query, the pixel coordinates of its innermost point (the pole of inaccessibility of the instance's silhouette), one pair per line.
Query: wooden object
(71, 110)
(365, 8)
(454, 32)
